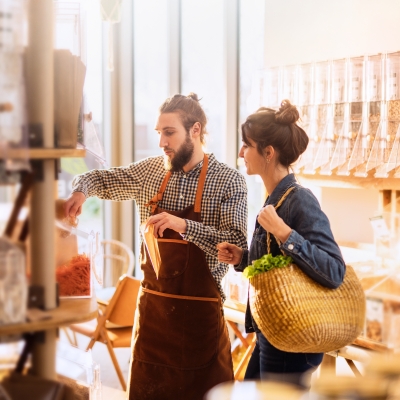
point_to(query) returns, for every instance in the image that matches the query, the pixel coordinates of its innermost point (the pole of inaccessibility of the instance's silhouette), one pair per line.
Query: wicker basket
(298, 315)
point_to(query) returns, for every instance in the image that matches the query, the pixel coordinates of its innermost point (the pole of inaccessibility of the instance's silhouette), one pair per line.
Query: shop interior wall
(307, 31)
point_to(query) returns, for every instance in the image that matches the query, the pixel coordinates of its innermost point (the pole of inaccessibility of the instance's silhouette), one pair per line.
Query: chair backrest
(121, 308)
(118, 260)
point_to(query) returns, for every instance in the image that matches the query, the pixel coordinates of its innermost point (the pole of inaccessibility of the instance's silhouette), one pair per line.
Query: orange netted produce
(74, 278)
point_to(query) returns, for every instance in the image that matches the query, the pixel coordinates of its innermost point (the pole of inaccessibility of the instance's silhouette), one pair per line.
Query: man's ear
(196, 129)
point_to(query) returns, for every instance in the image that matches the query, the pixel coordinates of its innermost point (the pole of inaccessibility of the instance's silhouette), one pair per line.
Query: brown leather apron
(181, 346)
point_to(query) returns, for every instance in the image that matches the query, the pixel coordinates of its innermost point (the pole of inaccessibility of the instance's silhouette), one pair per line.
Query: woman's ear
(196, 129)
(269, 152)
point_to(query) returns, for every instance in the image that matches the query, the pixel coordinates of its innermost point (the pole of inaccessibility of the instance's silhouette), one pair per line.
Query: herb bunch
(266, 263)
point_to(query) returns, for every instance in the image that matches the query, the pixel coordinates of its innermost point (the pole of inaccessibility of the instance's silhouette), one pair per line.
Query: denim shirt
(310, 244)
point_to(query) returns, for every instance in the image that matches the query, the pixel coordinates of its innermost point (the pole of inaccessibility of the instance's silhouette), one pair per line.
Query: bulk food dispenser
(324, 113)
(69, 73)
(272, 87)
(338, 111)
(373, 94)
(78, 257)
(13, 115)
(384, 153)
(355, 89)
(308, 112)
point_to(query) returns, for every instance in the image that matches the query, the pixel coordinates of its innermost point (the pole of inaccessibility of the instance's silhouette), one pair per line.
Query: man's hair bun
(193, 96)
(287, 113)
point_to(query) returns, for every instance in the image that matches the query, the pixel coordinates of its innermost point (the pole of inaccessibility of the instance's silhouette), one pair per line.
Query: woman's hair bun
(287, 113)
(193, 96)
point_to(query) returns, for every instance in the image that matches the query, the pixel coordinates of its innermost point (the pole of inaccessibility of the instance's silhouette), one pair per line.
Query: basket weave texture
(298, 315)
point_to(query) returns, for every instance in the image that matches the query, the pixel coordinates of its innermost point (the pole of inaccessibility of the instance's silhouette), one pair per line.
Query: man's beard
(181, 157)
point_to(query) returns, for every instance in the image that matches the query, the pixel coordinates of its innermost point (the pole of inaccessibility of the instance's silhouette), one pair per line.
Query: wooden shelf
(352, 182)
(370, 344)
(41, 153)
(71, 311)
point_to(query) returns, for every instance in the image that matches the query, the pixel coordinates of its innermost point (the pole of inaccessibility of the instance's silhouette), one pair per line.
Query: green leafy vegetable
(266, 263)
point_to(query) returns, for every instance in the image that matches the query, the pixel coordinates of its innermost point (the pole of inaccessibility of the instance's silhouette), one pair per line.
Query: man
(180, 345)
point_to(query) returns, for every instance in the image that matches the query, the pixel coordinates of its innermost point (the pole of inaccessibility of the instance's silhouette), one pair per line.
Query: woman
(272, 142)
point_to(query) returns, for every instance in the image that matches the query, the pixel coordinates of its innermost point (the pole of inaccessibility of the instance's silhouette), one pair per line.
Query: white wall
(301, 31)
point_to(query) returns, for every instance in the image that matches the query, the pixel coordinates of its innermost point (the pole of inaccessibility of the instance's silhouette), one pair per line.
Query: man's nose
(163, 141)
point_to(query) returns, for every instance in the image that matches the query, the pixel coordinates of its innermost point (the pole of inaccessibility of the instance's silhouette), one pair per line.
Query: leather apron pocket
(174, 256)
(183, 333)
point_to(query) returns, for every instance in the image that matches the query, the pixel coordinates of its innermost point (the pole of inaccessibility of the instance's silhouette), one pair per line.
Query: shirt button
(184, 176)
(181, 197)
(290, 247)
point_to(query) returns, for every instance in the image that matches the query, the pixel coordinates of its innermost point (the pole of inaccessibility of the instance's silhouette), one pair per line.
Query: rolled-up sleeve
(311, 243)
(118, 184)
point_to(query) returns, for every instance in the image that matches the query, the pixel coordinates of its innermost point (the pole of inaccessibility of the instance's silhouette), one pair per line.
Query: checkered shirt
(223, 208)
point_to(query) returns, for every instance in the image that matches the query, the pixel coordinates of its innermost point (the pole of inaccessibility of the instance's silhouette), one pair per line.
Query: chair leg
(114, 360)
(73, 341)
(245, 358)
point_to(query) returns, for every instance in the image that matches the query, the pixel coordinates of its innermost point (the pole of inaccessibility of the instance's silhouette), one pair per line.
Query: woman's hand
(273, 223)
(229, 253)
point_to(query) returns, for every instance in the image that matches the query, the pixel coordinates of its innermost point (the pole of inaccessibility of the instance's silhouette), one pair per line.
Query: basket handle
(281, 200)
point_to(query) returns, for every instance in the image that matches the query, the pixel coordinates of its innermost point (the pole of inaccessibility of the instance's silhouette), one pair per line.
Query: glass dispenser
(78, 257)
(13, 118)
(308, 112)
(385, 149)
(352, 115)
(13, 283)
(289, 84)
(272, 87)
(69, 73)
(323, 110)
(371, 113)
(335, 119)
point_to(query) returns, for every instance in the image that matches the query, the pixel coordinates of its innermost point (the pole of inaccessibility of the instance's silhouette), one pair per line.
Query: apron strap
(199, 194)
(159, 196)
(200, 185)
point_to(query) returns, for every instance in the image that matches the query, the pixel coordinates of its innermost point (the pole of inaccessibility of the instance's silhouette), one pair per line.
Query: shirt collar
(281, 188)
(196, 170)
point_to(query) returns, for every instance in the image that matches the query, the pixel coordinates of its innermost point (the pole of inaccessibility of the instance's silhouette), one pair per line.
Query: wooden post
(40, 97)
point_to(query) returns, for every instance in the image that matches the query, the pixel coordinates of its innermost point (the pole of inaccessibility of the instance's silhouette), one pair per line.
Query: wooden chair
(118, 260)
(233, 316)
(114, 324)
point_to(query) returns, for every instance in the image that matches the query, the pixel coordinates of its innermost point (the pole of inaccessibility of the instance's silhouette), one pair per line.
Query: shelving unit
(42, 154)
(40, 106)
(70, 311)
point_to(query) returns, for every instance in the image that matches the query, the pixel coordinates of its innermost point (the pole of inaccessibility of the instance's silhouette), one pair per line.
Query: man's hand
(273, 223)
(73, 205)
(229, 253)
(163, 221)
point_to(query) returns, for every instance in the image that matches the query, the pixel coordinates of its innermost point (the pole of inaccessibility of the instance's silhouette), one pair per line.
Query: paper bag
(152, 246)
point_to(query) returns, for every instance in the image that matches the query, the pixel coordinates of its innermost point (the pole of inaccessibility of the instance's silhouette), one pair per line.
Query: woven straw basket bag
(298, 315)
